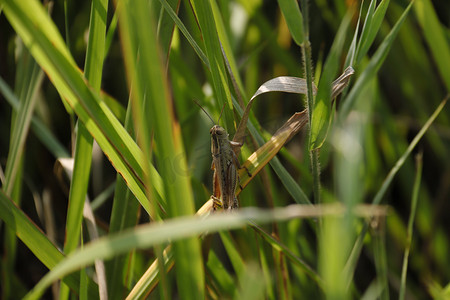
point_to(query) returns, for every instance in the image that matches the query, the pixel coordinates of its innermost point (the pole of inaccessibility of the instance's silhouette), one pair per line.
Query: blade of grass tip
(354, 255)
(435, 37)
(349, 60)
(84, 141)
(412, 214)
(371, 26)
(294, 19)
(36, 241)
(372, 68)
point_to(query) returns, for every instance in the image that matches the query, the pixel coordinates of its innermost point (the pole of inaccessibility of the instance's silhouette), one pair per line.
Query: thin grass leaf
(279, 246)
(379, 240)
(412, 215)
(207, 24)
(357, 247)
(374, 65)
(294, 19)
(185, 32)
(20, 128)
(321, 116)
(84, 141)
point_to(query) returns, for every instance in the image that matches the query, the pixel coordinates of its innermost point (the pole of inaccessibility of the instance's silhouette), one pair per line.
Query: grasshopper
(225, 165)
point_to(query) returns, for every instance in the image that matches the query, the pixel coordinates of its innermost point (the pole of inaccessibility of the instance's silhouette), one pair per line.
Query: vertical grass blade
(412, 215)
(207, 24)
(152, 111)
(83, 146)
(321, 115)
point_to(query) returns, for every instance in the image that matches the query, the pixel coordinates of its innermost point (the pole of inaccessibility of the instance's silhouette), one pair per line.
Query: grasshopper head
(218, 131)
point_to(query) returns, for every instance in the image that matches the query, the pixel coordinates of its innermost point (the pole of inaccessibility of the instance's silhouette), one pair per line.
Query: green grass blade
(83, 147)
(372, 24)
(174, 229)
(387, 181)
(321, 116)
(435, 37)
(374, 65)
(412, 215)
(185, 32)
(84, 141)
(207, 24)
(152, 111)
(22, 121)
(294, 19)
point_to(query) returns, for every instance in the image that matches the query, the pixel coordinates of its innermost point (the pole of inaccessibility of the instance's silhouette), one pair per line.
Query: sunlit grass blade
(180, 228)
(412, 215)
(51, 53)
(152, 113)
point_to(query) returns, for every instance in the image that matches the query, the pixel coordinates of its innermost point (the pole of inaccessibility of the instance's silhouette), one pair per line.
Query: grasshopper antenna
(205, 111)
(220, 116)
